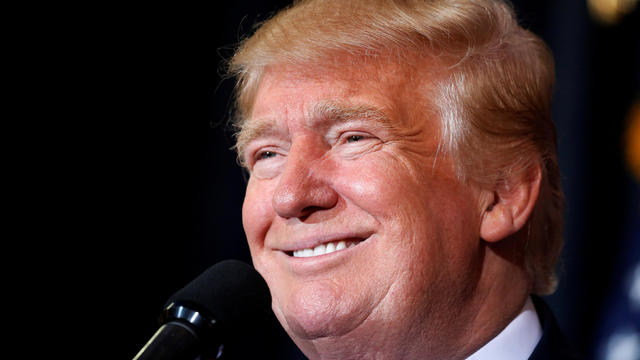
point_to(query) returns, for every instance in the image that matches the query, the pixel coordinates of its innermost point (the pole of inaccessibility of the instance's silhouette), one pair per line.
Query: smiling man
(404, 198)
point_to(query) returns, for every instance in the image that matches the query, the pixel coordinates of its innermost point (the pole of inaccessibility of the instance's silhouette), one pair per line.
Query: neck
(502, 291)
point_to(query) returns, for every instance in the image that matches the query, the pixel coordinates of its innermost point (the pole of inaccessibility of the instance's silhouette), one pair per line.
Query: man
(404, 198)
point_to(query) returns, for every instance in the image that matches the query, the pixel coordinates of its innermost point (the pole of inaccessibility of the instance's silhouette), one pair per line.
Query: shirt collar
(517, 340)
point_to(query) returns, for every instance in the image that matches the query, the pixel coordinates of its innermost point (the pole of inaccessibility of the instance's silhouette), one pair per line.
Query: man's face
(353, 217)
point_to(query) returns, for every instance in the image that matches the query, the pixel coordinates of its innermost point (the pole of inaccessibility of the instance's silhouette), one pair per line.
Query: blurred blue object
(618, 336)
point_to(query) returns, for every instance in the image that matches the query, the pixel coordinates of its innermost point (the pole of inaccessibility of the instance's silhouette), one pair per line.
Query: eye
(266, 155)
(354, 143)
(354, 138)
(267, 163)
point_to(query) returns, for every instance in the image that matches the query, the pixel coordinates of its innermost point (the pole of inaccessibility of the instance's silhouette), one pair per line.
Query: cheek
(381, 187)
(368, 184)
(257, 212)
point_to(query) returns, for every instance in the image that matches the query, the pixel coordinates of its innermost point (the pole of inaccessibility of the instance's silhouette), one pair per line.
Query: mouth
(326, 248)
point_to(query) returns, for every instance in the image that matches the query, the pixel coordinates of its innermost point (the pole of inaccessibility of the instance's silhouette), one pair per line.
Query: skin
(421, 282)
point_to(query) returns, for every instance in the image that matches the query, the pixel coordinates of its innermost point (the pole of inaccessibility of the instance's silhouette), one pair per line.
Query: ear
(510, 205)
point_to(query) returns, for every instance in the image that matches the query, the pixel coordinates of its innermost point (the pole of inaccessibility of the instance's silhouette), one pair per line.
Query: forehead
(349, 83)
(297, 91)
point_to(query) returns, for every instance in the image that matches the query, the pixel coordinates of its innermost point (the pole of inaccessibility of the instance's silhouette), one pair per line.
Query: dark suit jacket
(553, 345)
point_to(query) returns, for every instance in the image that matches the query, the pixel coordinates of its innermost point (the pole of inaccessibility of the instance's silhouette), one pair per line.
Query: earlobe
(512, 205)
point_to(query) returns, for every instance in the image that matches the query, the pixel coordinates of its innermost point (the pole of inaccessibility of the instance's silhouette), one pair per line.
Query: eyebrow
(324, 112)
(339, 113)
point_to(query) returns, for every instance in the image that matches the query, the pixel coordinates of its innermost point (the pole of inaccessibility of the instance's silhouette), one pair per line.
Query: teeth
(331, 247)
(319, 250)
(323, 249)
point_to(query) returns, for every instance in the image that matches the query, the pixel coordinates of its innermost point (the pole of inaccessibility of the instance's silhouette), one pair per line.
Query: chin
(319, 311)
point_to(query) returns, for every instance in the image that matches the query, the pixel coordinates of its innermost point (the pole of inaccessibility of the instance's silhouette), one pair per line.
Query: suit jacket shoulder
(553, 344)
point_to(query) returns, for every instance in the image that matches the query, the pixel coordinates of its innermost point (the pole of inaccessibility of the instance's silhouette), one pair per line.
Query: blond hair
(494, 99)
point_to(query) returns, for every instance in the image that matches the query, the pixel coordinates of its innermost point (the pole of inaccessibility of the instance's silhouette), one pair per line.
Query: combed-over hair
(494, 102)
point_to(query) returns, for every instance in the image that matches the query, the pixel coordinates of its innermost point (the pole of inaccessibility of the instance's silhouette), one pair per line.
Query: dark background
(155, 193)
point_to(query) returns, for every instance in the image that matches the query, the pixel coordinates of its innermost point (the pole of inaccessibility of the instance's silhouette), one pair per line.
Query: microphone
(215, 307)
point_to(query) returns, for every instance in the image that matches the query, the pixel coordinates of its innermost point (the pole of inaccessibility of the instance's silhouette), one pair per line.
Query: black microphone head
(232, 293)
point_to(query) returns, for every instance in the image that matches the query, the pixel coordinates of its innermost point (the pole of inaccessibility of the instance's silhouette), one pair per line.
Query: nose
(303, 187)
